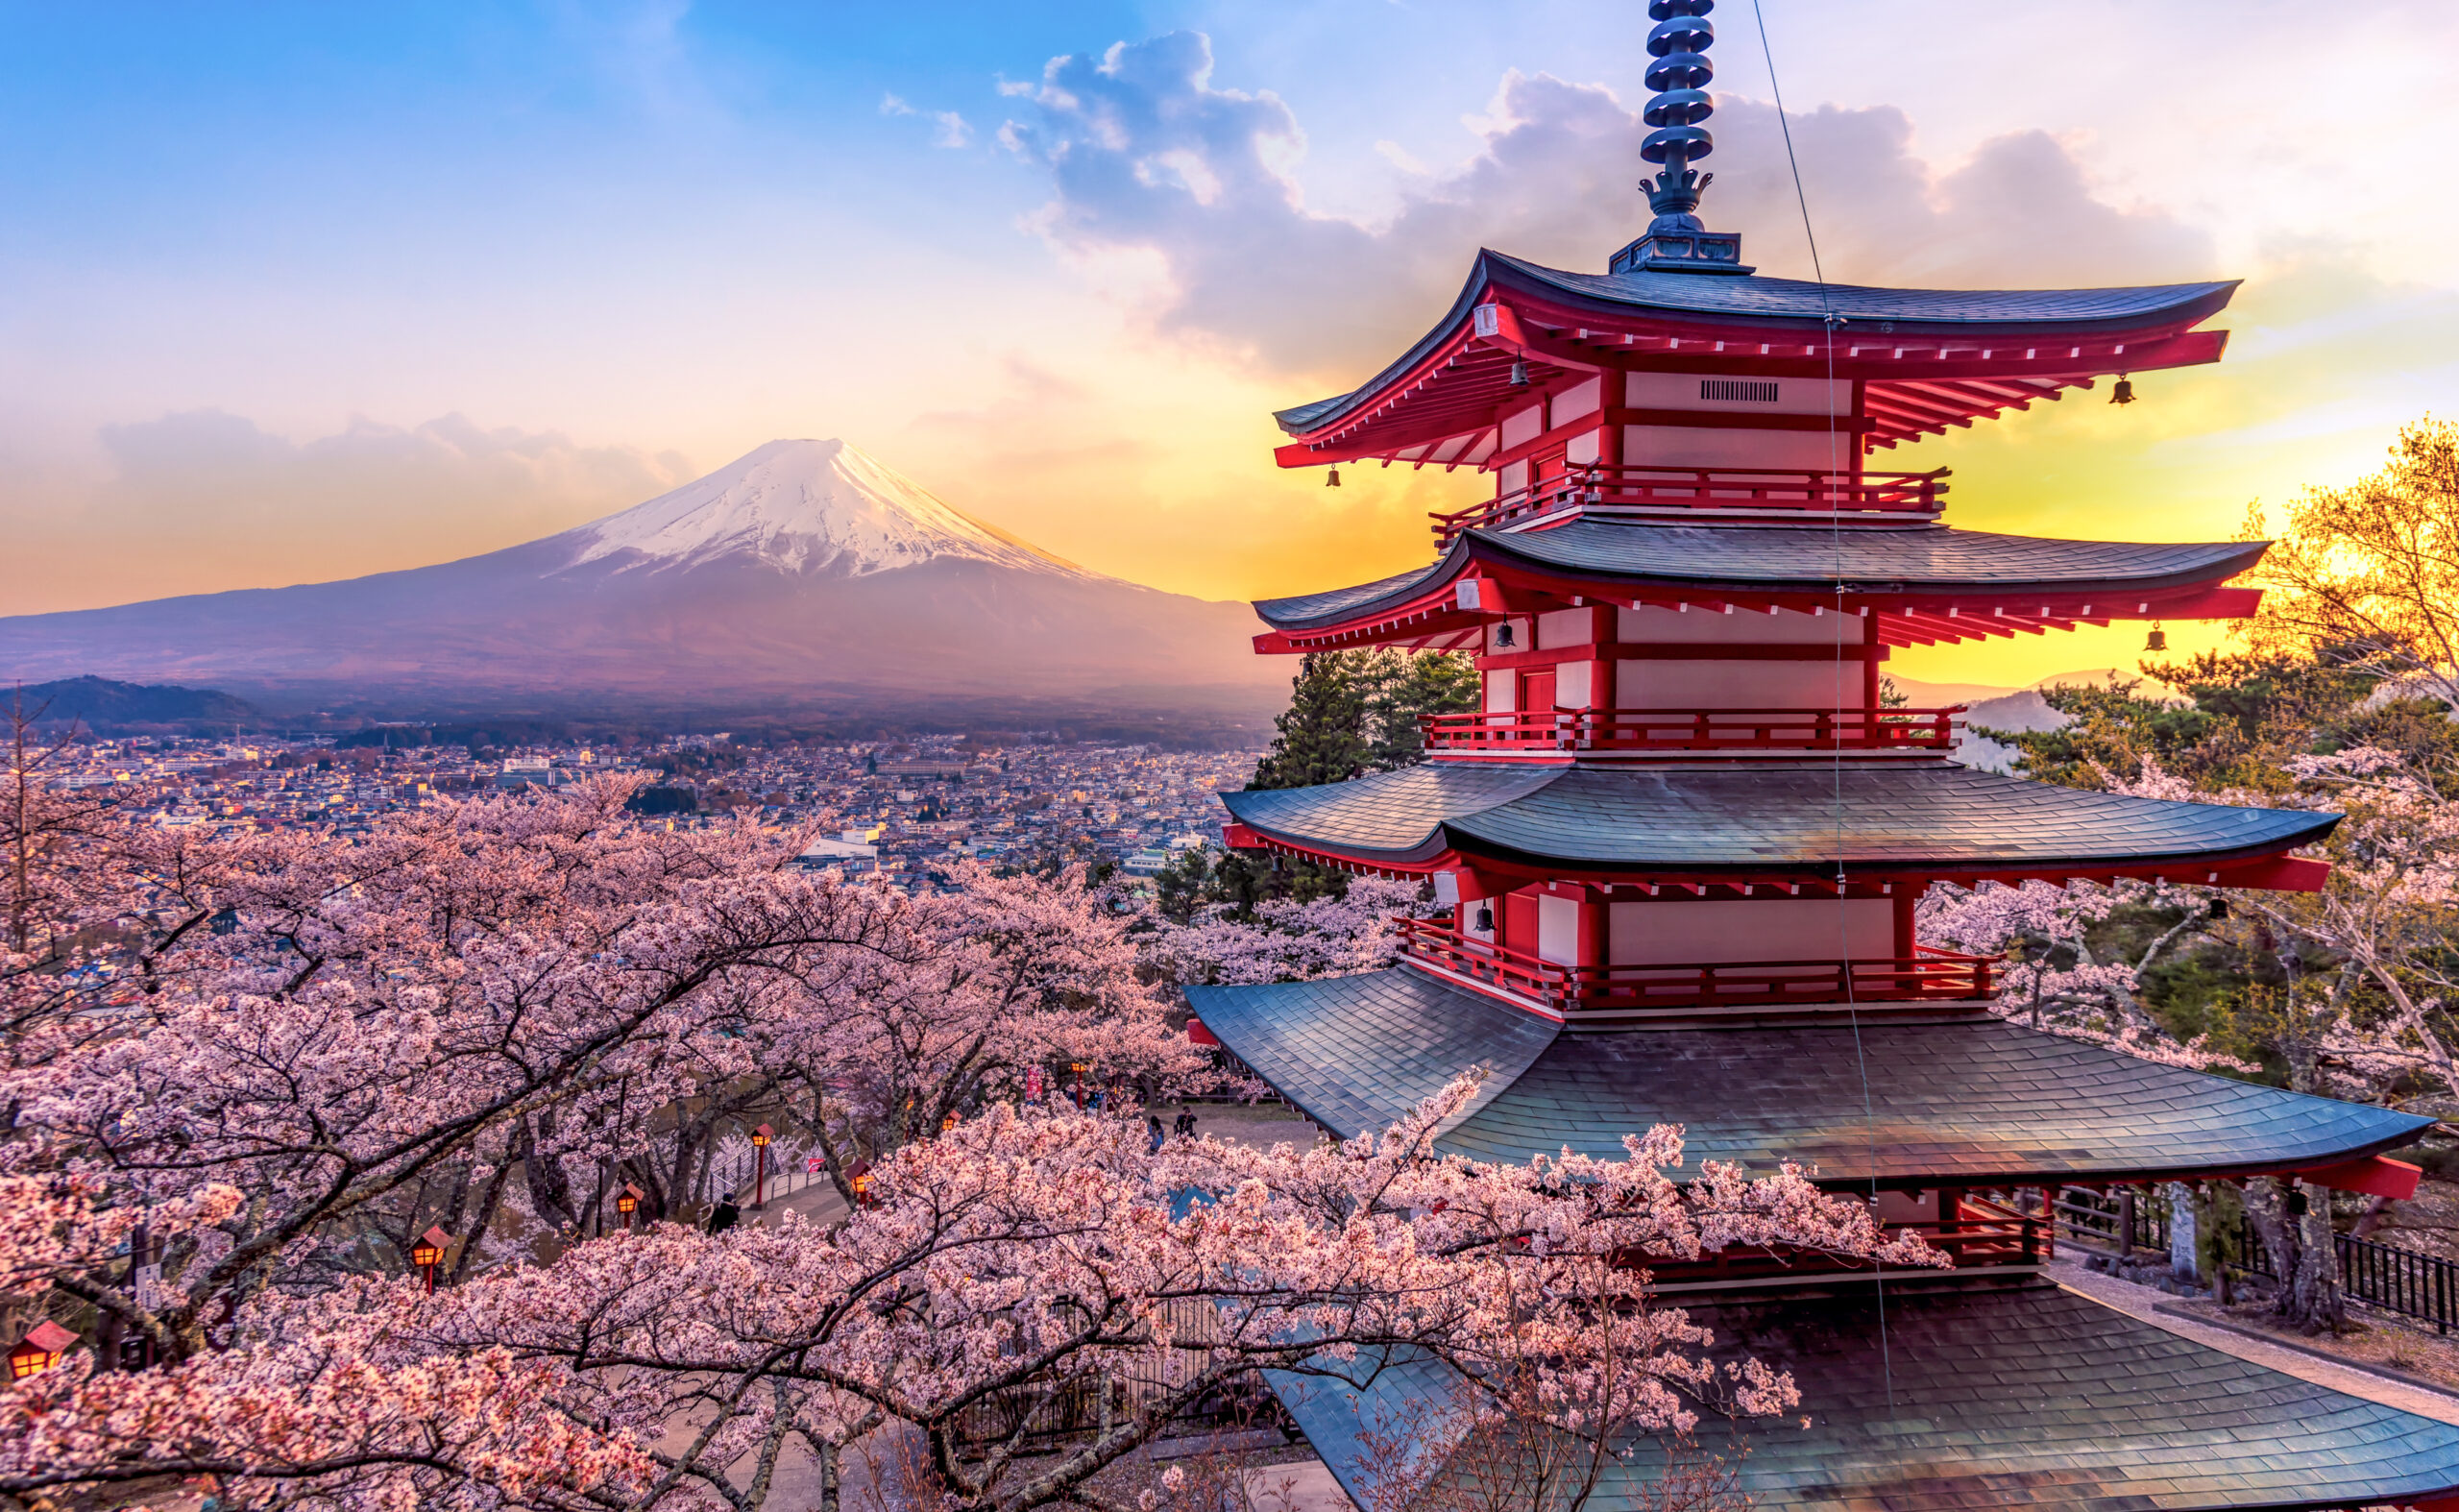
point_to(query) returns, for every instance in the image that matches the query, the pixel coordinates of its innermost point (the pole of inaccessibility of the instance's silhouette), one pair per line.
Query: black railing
(2408, 1283)
(2405, 1282)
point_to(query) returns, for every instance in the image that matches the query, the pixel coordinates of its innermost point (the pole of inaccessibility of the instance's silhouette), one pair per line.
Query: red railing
(1929, 975)
(1981, 1234)
(1694, 729)
(1637, 486)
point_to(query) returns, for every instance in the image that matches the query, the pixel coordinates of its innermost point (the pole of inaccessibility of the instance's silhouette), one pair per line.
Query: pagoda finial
(1675, 242)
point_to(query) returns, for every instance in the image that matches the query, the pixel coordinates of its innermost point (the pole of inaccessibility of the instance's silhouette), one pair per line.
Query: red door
(1519, 923)
(1536, 705)
(1545, 472)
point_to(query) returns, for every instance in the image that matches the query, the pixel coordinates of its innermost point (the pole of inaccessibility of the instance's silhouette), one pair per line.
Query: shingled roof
(2033, 1397)
(1894, 817)
(1968, 1101)
(1912, 560)
(1773, 306)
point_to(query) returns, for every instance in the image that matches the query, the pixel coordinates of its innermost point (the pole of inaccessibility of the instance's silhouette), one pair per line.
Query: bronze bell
(2156, 641)
(1519, 374)
(1332, 478)
(2123, 393)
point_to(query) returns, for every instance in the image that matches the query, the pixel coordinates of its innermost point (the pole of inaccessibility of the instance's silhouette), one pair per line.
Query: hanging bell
(1519, 374)
(1332, 478)
(1485, 924)
(2156, 641)
(2123, 393)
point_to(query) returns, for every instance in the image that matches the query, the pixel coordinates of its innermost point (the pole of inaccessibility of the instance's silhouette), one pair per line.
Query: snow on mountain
(802, 506)
(805, 570)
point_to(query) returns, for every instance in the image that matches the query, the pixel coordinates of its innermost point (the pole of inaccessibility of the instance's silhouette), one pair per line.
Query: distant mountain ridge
(102, 704)
(805, 572)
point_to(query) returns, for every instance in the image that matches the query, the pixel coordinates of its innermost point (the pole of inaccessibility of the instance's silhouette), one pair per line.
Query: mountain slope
(805, 570)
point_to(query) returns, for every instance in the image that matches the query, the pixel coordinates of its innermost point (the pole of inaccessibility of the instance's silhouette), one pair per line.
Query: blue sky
(293, 291)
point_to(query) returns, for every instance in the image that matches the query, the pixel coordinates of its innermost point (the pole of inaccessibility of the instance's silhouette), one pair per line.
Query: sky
(298, 292)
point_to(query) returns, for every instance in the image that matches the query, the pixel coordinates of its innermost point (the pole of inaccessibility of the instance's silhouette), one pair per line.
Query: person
(1153, 1133)
(724, 1214)
(1184, 1123)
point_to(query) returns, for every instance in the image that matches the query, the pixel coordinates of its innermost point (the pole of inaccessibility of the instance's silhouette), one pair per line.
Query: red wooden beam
(2376, 1175)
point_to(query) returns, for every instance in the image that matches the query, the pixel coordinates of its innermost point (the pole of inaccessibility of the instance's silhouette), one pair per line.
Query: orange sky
(292, 299)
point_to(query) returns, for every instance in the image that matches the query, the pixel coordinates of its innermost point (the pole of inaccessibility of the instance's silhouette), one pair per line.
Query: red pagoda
(1682, 842)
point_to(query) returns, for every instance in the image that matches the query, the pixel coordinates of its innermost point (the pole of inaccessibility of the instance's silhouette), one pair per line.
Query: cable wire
(1829, 321)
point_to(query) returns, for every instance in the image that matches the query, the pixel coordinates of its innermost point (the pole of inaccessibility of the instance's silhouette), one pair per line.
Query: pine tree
(1323, 732)
(1407, 687)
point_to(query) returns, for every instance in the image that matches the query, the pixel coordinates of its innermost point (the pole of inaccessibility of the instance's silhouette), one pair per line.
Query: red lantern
(429, 1253)
(39, 1351)
(627, 1202)
(759, 1139)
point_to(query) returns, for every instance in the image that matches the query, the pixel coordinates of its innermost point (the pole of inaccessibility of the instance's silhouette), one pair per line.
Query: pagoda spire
(1679, 71)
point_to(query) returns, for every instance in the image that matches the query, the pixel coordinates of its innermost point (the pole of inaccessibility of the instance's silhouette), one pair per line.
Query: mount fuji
(805, 572)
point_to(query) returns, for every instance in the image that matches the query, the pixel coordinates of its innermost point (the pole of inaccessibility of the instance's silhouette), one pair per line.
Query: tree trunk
(2305, 1256)
(487, 1206)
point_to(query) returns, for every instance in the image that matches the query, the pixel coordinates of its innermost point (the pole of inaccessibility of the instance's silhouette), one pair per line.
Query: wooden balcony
(1981, 1234)
(1929, 975)
(1632, 488)
(1628, 730)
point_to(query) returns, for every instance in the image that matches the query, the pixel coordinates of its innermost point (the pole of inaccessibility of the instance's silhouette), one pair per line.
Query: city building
(1682, 842)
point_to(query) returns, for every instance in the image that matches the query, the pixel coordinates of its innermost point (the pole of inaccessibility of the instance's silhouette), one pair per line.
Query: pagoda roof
(1970, 1101)
(1925, 568)
(1923, 819)
(1930, 1398)
(1934, 356)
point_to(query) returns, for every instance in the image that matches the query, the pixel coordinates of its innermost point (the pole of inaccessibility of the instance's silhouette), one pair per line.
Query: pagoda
(1682, 841)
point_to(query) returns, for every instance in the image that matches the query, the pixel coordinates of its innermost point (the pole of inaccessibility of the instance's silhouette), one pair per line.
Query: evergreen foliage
(1354, 711)
(1350, 713)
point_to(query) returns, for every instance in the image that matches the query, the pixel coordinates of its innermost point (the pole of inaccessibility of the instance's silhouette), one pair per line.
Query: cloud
(206, 501)
(1144, 152)
(953, 131)
(894, 105)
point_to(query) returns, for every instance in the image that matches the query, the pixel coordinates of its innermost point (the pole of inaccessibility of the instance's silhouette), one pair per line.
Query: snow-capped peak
(803, 506)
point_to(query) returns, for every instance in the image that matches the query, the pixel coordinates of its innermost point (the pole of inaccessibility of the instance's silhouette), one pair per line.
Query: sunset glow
(295, 293)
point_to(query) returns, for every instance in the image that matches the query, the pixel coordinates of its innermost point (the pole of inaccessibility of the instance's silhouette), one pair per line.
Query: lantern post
(759, 1139)
(429, 1253)
(627, 1202)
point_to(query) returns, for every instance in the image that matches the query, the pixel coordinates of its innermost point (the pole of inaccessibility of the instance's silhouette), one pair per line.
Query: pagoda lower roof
(1966, 1101)
(1891, 817)
(1925, 566)
(1923, 1399)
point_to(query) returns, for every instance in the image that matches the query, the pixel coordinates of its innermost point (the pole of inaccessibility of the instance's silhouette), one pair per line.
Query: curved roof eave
(1757, 299)
(1970, 1099)
(1710, 820)
(1617, 553)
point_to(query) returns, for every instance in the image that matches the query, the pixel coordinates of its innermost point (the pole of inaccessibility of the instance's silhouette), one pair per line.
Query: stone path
(2143, 1302)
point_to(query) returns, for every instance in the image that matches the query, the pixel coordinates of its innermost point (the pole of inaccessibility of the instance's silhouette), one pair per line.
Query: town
(897, 813)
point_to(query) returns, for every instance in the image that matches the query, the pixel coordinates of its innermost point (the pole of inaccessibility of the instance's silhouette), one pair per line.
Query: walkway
(2143, 1302)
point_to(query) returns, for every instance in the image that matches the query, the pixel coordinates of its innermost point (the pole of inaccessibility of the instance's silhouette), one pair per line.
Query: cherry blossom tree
(1025, 1257)
(1287, 940)
(2053, 978)
(482, 1016)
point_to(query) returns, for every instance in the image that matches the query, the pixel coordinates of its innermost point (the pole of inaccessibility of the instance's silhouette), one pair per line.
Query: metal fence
(2414, 1285)
(2407, 1283)
(1040, 1412)
(737, 1178)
